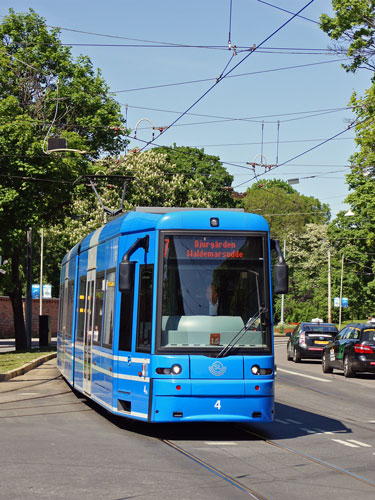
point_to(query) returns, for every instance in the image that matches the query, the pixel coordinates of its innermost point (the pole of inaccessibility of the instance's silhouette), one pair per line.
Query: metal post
(282, 297)
(41, 273)
(29, 300)
(342, 275)
(329, 288)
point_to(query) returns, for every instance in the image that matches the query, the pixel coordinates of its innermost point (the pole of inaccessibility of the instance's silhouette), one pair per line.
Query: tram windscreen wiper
(250, 322)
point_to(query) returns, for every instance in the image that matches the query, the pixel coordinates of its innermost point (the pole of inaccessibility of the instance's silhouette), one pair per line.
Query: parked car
(308, 340)
(353, 350)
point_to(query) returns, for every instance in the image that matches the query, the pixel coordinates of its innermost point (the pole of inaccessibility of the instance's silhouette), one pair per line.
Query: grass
(13, 360)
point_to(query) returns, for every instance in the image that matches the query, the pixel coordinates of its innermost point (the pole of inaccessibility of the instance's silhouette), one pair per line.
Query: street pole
(29, 300)
(342, 275)
(282, 297)
(329, 288)
(41, 273)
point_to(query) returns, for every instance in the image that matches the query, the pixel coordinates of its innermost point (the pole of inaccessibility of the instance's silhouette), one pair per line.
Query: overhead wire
(202, 80)
(287, 11)
(303, 153)
(230, 71)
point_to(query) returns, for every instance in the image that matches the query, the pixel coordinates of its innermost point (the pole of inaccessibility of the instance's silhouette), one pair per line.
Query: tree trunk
(16, 298)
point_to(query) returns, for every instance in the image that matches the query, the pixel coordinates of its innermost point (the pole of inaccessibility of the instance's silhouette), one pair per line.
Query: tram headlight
(173, 370)
(255, 370)
(176, 369)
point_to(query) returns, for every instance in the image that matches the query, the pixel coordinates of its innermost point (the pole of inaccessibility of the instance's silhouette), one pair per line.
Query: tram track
(310, 458)
(231, 480)
(252, 493)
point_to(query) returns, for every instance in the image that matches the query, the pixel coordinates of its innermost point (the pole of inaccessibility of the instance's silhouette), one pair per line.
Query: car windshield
(321, 328)
(212, 285)
(368, 335)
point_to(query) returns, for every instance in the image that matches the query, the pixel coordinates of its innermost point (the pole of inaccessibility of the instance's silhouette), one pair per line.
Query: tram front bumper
(210, 400)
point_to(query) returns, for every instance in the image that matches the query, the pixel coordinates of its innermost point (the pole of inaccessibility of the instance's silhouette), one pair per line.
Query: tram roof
(142, 219)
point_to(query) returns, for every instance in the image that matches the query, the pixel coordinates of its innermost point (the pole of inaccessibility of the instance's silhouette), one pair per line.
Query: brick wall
(50, 308)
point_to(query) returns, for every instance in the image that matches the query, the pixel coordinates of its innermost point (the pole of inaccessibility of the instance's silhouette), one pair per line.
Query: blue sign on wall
(47, 291)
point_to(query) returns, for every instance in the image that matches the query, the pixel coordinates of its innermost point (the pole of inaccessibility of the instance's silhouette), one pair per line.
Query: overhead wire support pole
(230, 26)
(251, 51)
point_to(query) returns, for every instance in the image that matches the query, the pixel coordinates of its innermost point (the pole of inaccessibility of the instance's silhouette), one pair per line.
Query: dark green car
(352, 351)
(309, 339)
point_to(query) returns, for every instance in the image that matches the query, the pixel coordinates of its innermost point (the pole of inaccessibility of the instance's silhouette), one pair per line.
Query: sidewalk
(8, 345)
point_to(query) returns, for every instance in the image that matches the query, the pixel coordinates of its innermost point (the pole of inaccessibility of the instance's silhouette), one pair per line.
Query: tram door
(88, 337)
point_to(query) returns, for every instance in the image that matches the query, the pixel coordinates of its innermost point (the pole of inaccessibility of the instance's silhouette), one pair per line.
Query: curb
(27, 367)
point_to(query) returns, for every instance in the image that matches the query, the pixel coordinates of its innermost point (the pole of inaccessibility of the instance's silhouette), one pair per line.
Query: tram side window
(99, 306)
(126, 321)
(61, 302)
(144, 325)
(69, 312)
(109, 308)
(81, 308)
(64, 309)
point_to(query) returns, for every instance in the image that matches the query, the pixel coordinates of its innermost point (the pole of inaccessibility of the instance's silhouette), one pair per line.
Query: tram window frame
(61, 303)
(126, 321)
(264, 235)
(65, 308)
(109, 308)
(69, 311)
(145, 311)
(81, 311)
(99, 306)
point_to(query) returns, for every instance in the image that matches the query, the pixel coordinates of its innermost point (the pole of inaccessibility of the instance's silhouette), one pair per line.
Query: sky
(169, 65)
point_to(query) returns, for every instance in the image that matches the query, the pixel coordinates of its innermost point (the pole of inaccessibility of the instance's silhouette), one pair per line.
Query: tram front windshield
(211, 287)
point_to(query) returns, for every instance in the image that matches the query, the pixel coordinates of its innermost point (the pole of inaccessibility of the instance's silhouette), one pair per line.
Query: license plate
(321, 342)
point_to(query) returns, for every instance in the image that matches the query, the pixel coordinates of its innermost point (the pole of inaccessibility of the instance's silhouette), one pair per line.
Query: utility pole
(282, 296)
(329, 288)
(341, 280)
(29, 279)
(41, 273)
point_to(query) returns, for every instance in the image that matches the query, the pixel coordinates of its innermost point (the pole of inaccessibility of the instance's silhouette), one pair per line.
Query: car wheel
(296, 356)
(288, 356)
(348, 370)
(325, 367)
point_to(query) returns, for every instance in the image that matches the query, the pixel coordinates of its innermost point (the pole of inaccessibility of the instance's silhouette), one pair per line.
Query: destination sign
(213, 249)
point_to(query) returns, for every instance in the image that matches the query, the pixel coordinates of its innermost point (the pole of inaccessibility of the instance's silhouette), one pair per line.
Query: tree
(44, 93)
(284, 208)
(194, 162)
(354, 27)
(306, 255)
(151, 181)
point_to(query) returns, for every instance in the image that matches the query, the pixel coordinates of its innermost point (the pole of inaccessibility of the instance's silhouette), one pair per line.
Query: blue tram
(165, 314)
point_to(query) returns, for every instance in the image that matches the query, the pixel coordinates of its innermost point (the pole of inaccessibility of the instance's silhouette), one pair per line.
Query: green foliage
(354, 28)
(153, 181)
(286, 210)
(193, 162)
(306, 255)
(45, 93)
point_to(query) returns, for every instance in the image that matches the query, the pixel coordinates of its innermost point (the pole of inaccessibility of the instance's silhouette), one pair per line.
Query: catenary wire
(230, 71)
(202, 80)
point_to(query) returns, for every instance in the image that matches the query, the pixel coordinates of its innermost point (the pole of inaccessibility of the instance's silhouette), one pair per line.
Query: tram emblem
(217, 368)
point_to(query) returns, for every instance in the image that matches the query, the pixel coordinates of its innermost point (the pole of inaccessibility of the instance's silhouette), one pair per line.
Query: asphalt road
(322, 444)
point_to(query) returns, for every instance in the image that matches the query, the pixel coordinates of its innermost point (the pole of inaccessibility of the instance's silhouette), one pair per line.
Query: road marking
(28, 393)
(346, 443)
(221, 443)
(293, 421)
(309, 431)
(360, 443)
(324, 432)
(303, 375)
(281, 421)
